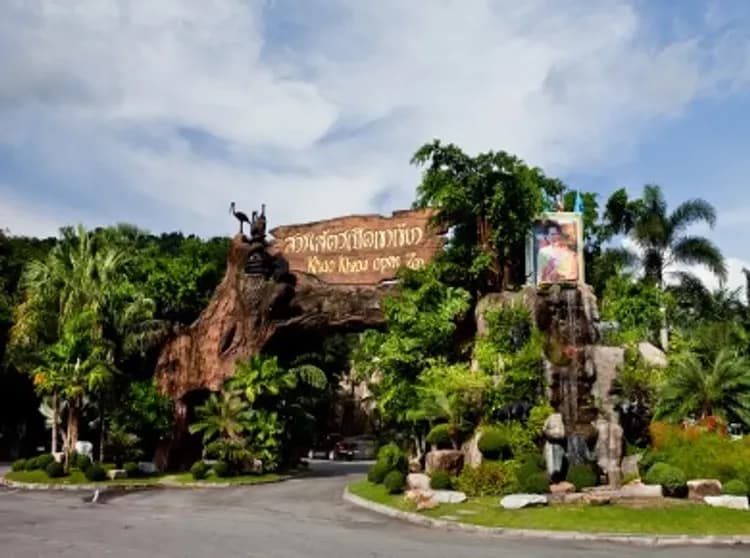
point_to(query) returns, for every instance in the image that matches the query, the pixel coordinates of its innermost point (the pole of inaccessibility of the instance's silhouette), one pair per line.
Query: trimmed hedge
(736, 487)
(199, 470)
(376, 474)
(95, 473)
(393, 458)
(394, 482)
(672, 479)
(495, 443)
(582, 476)
(19, 465)
(441, 480)
(440, 436)
(491, 478)
(55, 470)
(222, 469)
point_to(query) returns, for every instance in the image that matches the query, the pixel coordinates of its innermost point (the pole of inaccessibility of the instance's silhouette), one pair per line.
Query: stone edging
(641, 540)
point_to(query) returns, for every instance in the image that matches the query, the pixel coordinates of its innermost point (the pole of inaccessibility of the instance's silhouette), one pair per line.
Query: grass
(187, 478)
(75, 477)
(667, 517)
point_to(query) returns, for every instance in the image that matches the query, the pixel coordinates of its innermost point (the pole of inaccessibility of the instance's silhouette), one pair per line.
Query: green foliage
(199, 470)
(736, 487)
(55, 470)
(122, 446)
(235, 453)
(95, 473)
(441, 480)
(635, 306)
(43, 460)
(495, 443)
(80, 461)
(537, 417)
(143, 411)
(672, 479)
(509, 327)
(582, 476)
(394, 482)
(222, 470)
(132, 470)
(32, 464)
(440, 436)
(393, 458)
(536, 483)
(377, 472)
(19, 465)
(222, 416)
(491, 478)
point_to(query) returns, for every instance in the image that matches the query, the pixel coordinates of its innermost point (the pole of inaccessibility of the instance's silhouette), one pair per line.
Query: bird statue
(240, 216)
(258, 226)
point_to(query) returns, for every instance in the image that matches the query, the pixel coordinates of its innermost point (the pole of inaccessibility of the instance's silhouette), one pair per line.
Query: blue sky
(160, 113)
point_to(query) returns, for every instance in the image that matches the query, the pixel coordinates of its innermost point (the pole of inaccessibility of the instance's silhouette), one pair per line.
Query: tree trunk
(102, 433)
(74, 420)
(55, 422)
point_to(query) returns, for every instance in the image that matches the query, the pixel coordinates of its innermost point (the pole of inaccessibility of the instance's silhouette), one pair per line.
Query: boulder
(415, 465)
(450, 461)
(470, 449)
(418, 481)
(629, 466)
(609, 450)
(731, 502)
(638, 490)
(449, 496)
(563, 487)
(147, 468)
(426, 503)
(604, 363)
(597, 498)
(113, 474)
(554, 457)
(518, 501)
(652, 356)
(700, 488)
(554, 427)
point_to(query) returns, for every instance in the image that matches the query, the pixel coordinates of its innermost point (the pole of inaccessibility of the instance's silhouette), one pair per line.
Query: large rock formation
(249, 311)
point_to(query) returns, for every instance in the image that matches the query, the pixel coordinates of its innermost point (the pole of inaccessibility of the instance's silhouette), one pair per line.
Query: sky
(161, 113)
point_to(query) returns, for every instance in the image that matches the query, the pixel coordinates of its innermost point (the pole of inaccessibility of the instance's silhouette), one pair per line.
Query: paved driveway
(298, 518)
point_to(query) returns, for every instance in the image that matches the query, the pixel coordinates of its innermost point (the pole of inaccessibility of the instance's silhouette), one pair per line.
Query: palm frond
(692, 212)
(697, 250)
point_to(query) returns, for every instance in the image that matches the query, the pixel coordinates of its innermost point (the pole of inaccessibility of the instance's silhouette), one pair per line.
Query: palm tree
(661, 236)
(226, 416)
(719, 386)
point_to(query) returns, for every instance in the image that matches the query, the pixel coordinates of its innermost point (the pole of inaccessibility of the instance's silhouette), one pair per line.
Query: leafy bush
(582, 476)
(671, 478)
(536, 483)
(55, 470)
(19, 465)
(441, 481)
(531, 461)
(491, 478)
(392, 457)
(376, 474)
(95, 473)
(132, 470)
(32, 464)
(80, 462)
(42, 461)
(222, 469)
(440, 436)
(495, 443)
(736, 487)
(122, 446)
(199, 470)
(394, 482)
(537, 417)
(235, 453)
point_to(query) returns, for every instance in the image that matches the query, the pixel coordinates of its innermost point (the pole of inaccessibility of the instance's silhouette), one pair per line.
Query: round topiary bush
(376, 474)
(222, 469)
(672, 479)
(42, 461)
(199, 470)
(132, 470)
(536, 483)
(441, 480)
(55, 470)
(80, 462)
(95, 473)
(582, 476)
(440, 436)
(19, 465)
(394, 482)
(736, 487)
(495, 444)
(32, 464)
(393, 458)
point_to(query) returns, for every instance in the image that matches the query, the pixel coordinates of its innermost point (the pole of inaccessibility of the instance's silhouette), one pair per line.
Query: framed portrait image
(555, 249)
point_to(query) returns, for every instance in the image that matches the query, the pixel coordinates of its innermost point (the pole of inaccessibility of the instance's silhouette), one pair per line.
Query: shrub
(222, 469)
(441, 481)
(582, 476)
(488, 479)
(132, 470)
(392, 457)
(44, 460)
(536, 483)
(495, 443)
(532, 461)
(671, 478)
(376, 474)
(736, 487)
(55, 470)
(394, 482)
(199, 470)
(95, 473)
(32, 464)
(440, 436)
(80, 462)
(19, 465)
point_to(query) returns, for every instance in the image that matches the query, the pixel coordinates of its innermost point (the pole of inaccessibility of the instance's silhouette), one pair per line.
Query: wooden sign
(359, 249)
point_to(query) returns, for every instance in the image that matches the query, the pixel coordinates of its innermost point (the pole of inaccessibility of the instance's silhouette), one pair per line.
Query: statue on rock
(239, 215)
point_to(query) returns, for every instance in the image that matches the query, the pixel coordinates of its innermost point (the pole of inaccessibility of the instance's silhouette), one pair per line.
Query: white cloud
(184, 107)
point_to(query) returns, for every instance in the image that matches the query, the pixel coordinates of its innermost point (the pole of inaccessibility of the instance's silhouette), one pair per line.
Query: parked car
(332, 447)
(363, 447)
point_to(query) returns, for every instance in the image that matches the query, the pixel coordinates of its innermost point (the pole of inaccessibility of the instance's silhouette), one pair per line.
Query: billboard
(555, 250)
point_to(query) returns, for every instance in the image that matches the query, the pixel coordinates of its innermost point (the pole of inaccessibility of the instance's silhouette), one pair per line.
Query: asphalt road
(297, 518)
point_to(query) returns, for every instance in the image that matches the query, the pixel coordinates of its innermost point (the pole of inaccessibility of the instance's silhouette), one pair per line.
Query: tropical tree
(662, 236)
(719, 386)
(225, 415)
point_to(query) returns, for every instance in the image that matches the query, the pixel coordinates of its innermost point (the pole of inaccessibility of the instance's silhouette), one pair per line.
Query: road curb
(641, 540)
(74, 487)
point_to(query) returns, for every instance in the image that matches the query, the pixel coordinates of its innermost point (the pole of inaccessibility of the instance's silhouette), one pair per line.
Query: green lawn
(187, 478)
(75, 477)
(666, 518)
